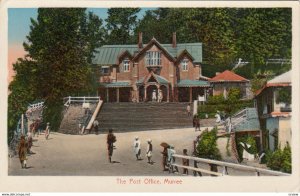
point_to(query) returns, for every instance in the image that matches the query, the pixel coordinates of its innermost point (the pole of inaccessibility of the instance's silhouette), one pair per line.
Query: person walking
(164, 158)
(188, 109)
(137, 148)
(47, 131)
(171, 159)
(29, 142)
(111, 139)
(149, 151)
(154, 97)
(185, 162)
(22, 151)
(96, 125)
(196, 123)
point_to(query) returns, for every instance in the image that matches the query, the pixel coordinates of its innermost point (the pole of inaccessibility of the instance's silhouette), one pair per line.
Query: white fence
(225, 166)
(69, 100)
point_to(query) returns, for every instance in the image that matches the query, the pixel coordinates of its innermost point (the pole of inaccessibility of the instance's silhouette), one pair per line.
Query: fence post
(225, 171)
(69, 99)
(84, 99)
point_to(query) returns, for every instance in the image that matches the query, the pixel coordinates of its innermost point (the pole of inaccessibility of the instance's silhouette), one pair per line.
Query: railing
(93, 117)
(35, 106)
(69, 100)
(225, 166)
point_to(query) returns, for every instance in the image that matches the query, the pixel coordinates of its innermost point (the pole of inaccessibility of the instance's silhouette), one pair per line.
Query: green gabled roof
(108, 54)
(115, 84)
(161, 79)
(192, 83)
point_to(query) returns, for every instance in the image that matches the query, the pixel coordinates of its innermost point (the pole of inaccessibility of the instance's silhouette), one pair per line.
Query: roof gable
(149, 45)
(228, 76)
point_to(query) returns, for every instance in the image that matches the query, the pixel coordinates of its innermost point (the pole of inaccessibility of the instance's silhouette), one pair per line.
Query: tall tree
(60, 49)
(120, 25)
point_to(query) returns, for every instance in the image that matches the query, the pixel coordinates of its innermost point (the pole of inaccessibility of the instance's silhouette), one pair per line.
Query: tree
(120, 25)
(60, 49)
(263, 33)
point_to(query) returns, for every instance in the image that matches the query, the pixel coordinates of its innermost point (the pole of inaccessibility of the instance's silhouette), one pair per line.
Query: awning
(192, 83)
(115, 85)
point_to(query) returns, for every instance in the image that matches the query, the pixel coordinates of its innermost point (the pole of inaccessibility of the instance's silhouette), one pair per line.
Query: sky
(19, 27)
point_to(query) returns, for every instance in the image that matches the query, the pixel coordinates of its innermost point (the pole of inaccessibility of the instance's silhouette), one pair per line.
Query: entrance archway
(183, 94)
(150, 90)
(141, 93)
(164, 90)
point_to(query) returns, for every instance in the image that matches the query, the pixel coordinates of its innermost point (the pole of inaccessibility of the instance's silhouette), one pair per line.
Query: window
(184, 64)
(126, 65)
(153, 58)
(104, 70)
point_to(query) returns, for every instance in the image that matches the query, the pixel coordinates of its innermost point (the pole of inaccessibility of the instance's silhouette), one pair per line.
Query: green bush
(280, 160)
(53, 115)
(234, 94)
(248, 139)
(207, 146)
(228, 108)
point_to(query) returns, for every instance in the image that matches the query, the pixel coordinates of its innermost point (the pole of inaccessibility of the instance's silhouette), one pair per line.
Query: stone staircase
(143, 116)
(74, 115)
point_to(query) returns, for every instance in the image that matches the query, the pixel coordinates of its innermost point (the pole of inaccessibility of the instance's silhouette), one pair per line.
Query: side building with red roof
(273, 102)
(222, 82)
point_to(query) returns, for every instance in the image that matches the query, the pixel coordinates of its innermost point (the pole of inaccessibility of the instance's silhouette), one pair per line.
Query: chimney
(217, 73)
(140, 42)
(174, 44)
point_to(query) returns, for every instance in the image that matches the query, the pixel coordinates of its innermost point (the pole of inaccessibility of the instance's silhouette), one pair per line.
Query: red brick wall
(191, 74)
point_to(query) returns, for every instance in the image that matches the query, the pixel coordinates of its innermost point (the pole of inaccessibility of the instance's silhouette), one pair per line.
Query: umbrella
(164, 144)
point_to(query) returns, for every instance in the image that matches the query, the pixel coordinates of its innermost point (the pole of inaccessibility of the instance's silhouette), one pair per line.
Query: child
(185, 162)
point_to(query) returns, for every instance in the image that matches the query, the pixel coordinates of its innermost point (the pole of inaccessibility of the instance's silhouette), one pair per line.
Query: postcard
(150, 96)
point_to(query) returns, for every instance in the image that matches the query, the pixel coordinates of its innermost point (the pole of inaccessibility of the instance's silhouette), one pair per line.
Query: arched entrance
(164, 90)
(150, 90)
(141, 93)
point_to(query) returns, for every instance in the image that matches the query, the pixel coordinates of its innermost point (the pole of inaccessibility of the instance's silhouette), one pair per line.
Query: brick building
(143, 71)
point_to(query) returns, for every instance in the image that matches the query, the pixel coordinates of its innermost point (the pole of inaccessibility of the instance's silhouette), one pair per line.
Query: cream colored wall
(284, 134)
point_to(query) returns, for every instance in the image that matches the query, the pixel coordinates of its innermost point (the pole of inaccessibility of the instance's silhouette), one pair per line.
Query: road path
(86, 155)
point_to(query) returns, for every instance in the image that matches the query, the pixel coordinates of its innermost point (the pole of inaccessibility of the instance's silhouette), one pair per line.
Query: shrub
(207, 146)
(211, 109)
(234, 94)
(280, 160)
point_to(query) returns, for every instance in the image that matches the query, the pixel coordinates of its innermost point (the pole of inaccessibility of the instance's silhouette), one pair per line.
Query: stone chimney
(140, 41)
(217, 73)
(174, 44)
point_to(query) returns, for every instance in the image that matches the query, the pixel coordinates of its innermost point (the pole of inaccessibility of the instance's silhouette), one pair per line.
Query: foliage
(60, 49)
(280, 160)
(234, 94)
(284, 96)
(120, 25)
(218, 103)
(247, 139)
(207, 146)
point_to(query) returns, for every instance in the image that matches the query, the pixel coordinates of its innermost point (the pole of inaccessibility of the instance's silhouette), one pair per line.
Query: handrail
(69, 100)
(89, 126)
(233, 165)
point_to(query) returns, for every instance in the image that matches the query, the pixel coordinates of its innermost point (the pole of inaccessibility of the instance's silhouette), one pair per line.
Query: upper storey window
(184, 64)
(126, 65)
(153, 58)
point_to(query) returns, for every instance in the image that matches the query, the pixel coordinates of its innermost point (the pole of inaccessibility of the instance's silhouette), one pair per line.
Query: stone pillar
(145, 93)
(191, 94)
(168, 94)
(107, 95)
(118, 95)
(138, 94)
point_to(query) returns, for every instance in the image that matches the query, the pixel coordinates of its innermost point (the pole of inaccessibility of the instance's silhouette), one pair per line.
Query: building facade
(273, 104)
(226, 80)
(151, 72)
